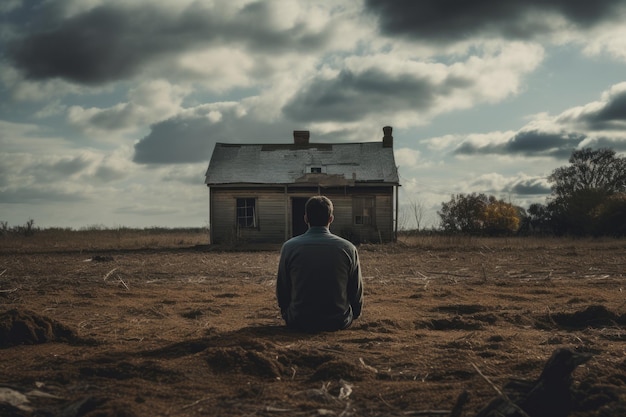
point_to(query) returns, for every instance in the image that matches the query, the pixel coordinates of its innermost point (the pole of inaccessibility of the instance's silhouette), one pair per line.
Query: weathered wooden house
(257, 192)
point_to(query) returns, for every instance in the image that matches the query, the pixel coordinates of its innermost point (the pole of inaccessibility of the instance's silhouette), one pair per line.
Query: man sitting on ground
(319, 285)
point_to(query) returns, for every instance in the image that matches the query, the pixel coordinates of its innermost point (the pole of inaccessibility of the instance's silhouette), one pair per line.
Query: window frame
(364, 210)
(246, 216)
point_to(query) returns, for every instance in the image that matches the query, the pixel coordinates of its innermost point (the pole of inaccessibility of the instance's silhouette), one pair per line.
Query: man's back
(319, 285)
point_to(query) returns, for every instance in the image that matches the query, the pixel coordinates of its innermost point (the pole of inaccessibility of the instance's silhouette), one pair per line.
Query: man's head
(318, 211)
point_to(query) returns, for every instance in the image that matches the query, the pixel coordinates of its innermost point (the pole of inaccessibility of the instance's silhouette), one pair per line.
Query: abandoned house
(257, 192)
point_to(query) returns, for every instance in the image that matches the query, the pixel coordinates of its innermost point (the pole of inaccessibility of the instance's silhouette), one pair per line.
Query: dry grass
(441, 242)
(53, 240)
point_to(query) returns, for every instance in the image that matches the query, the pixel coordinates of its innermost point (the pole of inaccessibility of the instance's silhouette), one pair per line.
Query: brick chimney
(387, 138)
(301, 137)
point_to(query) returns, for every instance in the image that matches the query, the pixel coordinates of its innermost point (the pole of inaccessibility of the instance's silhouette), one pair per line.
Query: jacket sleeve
(283, 284)
(355, 287)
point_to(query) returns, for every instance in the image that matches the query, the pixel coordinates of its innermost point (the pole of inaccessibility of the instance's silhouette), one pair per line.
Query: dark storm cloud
(176, 141)
(528, 143)
(110, 43)
(453, 20)
(530, 187)
(191, 139)
(351, 96)
(536, 142)
(615, 110)
(610, 116)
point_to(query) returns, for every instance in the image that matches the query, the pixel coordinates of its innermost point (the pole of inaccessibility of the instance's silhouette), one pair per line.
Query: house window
(246, 212)
(363, 209)
(315, 169)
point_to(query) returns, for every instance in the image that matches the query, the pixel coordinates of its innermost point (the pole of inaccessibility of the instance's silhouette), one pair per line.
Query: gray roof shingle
(340, 164)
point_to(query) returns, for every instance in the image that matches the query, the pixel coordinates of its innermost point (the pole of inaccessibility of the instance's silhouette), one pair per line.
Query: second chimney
(387, 138)
(301, 137)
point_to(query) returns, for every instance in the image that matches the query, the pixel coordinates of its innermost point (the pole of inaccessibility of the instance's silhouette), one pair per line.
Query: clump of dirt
(246, 356)
(592, 316)
(24, 327)
(380, 326)
(238, 359)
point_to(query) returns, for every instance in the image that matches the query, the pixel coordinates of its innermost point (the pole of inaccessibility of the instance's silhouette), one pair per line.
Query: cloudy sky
(110, 109)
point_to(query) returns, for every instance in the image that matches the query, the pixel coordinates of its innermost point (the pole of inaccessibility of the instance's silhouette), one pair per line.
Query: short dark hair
(318, 210)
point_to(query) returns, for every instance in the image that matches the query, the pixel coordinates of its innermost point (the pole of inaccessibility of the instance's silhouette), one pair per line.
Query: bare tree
(418, 211)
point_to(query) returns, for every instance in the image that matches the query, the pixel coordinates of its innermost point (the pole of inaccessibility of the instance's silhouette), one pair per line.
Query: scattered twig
(345, 390)
(271, 409)
(2, 273)
(108, 274)
(196, 402)
(41, 394)
(384, 402)
(123, 283)
(500, 393)
(420, 274)
(11, 290)
(368, 367)
(491, 384)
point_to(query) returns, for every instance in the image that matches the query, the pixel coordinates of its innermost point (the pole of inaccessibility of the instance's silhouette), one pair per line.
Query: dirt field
(108, 327)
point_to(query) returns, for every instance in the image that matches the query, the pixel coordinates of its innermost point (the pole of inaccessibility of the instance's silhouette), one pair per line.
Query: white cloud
(19, 137)
(407, 157)
(496, 75)
(609, 38)
(147, 103)
(218, 69)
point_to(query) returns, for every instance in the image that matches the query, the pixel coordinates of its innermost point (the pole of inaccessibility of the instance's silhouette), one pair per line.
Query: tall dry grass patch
(460, 242)
(90, 239)
(103, 239)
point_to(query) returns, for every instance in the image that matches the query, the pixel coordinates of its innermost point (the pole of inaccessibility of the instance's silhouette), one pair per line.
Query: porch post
(395, 233)
(286, 214)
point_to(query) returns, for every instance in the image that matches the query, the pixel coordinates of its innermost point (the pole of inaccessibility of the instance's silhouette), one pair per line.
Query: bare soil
(188, 330)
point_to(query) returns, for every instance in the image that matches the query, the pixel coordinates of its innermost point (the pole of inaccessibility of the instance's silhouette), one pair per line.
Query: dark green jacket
(319, 284)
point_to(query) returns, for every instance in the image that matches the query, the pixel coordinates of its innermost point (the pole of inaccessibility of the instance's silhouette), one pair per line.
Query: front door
(298, 226)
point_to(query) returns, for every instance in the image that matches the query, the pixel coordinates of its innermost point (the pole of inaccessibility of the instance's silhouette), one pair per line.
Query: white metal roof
(322, 164)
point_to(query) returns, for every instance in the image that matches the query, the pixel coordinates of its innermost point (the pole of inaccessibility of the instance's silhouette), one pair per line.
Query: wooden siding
(274, 214)
(270, 212)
